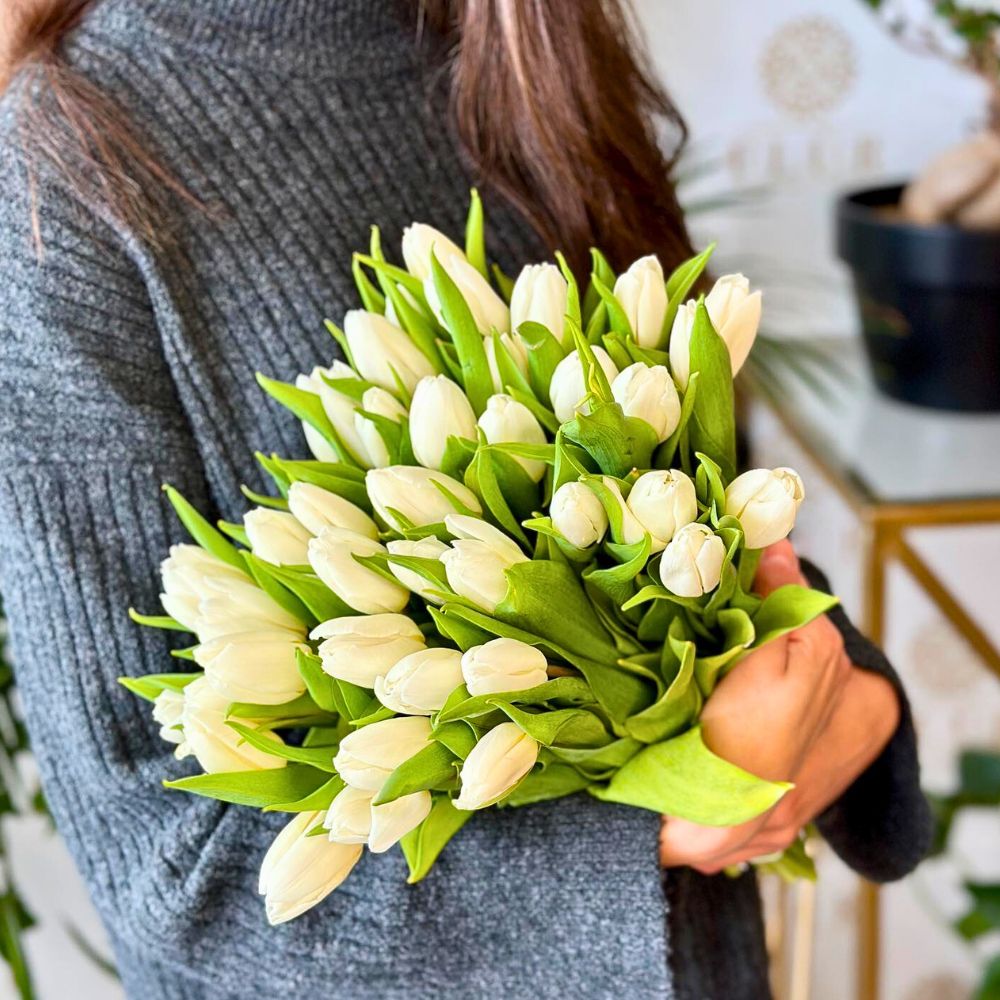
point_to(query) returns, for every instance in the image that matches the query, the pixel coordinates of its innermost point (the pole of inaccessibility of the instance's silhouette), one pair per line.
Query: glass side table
(897, 467)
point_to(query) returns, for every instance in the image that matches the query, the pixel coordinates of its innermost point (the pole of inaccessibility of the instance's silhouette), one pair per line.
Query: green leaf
(209, 538)
(482, 478)
(422, 846)
(259, 789)
(680, 282)
(321, 686)
(319, 757)
(458, 737)
(554, 781)
(788, 608)
(371, 298)
(475, 235)
(559, 690)
(599, 760)
(616, 314)
(568, 727)
(677, 707)
(152, 685)
(320, 601)
(266, 576)
(984, 917)
(617, 443)
(682, 777)
(600, 267)
(157, 621)
(432, 767)
(315, 800)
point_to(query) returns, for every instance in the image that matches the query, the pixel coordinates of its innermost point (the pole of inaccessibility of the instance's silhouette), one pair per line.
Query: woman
(182, 187)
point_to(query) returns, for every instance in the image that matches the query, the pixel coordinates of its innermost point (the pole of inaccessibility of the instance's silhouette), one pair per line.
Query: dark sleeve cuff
(881, 826)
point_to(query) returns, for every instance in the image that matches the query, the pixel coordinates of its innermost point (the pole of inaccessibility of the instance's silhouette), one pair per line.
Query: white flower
(390, 308)
(567, 391)
(478, 559)
(423, 548)
(338, 407)
(578, 515)
(735, 313)
(691, 565)
(505, 420)
(631, 530)
(359, 648)
(331, 555)
(489, 311)
(502, 665)
(168, 710)
(419, 684)
(383, 404)
(299, 871)
(419, 240)
(316, 509)
(495, 765)
(257, 667)
(642, 293)
(276, 537)
(216, 746)
(439, 410)
(649, 393)
(765, 501)
(370, 754)
(416, 493)
(380, 349)
(539, 295)
(663, 501)
(516, 350)
(392, 821)
(349, 818)
(189, 575)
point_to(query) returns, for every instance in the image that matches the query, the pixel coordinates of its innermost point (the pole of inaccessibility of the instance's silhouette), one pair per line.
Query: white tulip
(765, 501)
(642, 292)
(382, 352)
(419, 240)
(338, 407)
(419, 684)
(691, 564)
(516, 350)
(439, 410)
(359, 648)
(216, 746)
(376, 400)
(168, 711)
(276, 536)
(735, 313)
(189, 575)
(631, 530)
(370, 754)
(489, 311)
(257, 667)
(539, 296)
(662, 502)
(567, 391)
(505, 420)
(316, 509)
(478, 559)
(300, 871)
(578, 515)
(648, 392)
(349, 818)
(495, 765)
(416, 493)
(392, 821)
(390, 309)
(502, 665)
(423, 548)
(331, 555)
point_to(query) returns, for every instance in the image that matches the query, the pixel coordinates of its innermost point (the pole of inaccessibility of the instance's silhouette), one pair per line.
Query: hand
(795, 710)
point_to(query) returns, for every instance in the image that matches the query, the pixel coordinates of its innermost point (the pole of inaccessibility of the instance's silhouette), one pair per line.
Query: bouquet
(515, 568)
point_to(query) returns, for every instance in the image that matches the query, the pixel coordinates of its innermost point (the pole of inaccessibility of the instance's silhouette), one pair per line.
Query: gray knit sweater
(122, 368)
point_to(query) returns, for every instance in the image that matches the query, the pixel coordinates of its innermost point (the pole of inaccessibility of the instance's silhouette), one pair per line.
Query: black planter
(929, 298)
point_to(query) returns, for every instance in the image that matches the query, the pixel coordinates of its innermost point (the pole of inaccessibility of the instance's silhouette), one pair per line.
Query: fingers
(779, 565)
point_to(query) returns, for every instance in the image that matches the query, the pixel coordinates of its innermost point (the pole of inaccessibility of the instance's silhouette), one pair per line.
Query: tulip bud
(662, 502)
(339, 409)
(539, 295)
(168, 711)
(567, 391)
(316, 509)
(423, 548)
(495, 765)
(276, 537)
(216, 746)
(384, 404)
(370, 754)
(578, 515)
(516, 350)
(735, 313)
(691, 565)
(349, 818)
(331, 555)
(414, 492)
(649, 393)
(419, 684)
(392, 821)
(631, 530)
(300, 871)
(489, 311)
(642, 293)
(258, 667)
(359, 648)
(506, 420)
(419, 240)
(383, 353)
(478, 559)
(765, 501)
(503, 665)
(439, 410)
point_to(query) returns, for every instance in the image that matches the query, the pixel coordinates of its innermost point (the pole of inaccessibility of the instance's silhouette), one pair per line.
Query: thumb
(779, 565)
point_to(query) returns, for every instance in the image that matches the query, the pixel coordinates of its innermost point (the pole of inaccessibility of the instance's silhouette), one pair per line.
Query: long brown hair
(550, 99)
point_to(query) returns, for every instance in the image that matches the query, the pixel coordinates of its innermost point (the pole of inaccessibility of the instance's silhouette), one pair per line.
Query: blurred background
(791, 104)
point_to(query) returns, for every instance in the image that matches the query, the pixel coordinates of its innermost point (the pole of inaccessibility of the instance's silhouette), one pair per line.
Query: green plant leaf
(208, 537)
(788, 608)
(422, 846)
(313, 801)
(680, 283)
(152, 685)
(475, 235)
(434, 767)
(558, 691)
(554, 781)
(318, 757)
(258, 789)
